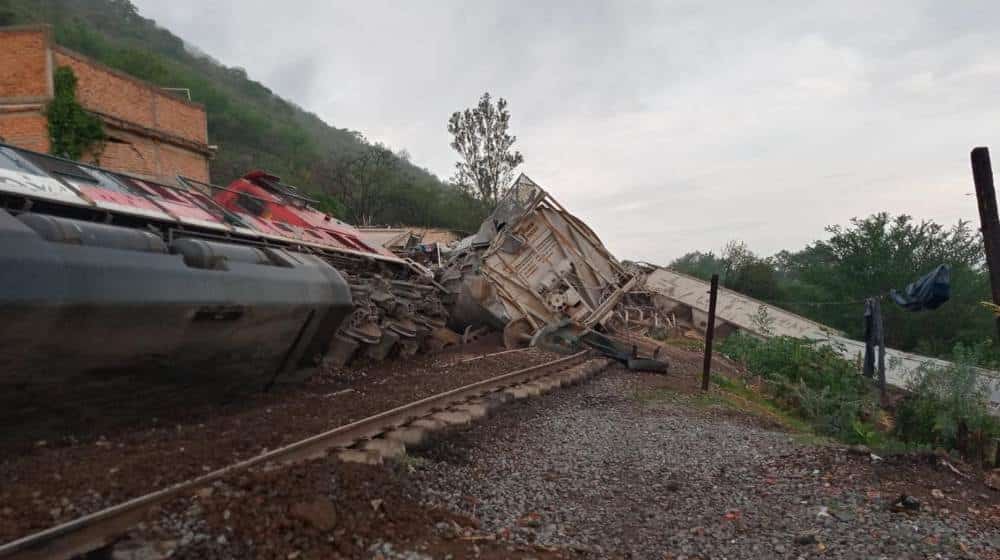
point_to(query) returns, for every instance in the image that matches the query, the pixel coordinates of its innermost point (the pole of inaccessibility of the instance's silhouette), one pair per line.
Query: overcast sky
(667, 126)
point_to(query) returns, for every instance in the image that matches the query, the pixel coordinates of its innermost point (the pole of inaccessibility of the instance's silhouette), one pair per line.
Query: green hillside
(253, 127)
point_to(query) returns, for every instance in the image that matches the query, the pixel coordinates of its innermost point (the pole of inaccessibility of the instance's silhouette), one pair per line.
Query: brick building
(149, 131)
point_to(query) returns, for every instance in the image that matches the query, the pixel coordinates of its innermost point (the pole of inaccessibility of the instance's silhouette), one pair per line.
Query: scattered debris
(530, 519)
(905, 503)
(953, 469)
(803, 539)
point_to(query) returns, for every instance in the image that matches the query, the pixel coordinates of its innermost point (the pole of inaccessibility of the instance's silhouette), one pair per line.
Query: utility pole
(986, 196)
(710, 332)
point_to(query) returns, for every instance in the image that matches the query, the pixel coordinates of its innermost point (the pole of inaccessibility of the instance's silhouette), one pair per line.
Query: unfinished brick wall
(128, 99)
(182, 119)
(24, 64)
(150, 131)
(128, 153)
(183, 162)
(104, 92)
(25, 128)
(131, 153)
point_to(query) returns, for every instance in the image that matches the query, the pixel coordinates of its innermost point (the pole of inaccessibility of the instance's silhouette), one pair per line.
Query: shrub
(831, 413)
(943, 399)
(811, 379)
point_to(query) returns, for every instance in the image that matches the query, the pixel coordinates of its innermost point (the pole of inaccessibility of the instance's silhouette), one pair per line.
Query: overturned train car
(114, 287)
(533, 264)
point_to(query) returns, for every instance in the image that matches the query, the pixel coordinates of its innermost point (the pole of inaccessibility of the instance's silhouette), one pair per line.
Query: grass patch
(737, 394)
(734, 395)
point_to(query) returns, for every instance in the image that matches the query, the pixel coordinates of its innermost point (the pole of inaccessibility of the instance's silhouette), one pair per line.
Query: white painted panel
(38, 186)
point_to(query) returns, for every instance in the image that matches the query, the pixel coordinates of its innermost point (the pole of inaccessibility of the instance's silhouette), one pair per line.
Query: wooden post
(710, 331)
(986, 196)
(880, 359)
(962, 439)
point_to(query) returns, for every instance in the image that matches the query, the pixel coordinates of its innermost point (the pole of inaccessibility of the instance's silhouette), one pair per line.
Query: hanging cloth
(874, 342)
(929, 292)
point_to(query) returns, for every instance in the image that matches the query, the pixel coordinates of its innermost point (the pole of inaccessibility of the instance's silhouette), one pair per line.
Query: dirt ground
(566, 475)
(83, 471)
(320, 509)
(539, 480)
(644, 466)
(912, 474)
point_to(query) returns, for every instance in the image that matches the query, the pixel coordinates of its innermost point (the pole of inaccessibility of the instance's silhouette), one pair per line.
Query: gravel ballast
(605, 470)
(56, 481)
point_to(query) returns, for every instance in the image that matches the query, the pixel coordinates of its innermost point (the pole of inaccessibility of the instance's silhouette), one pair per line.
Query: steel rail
(94, 530)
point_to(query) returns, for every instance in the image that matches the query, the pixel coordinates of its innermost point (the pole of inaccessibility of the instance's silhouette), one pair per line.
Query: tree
(330, 205)
(481, 138)
(738, 268)
(875, 254)
(698, 264)
(829, 279)
(736, 256)
(365, 182)
(745, 272)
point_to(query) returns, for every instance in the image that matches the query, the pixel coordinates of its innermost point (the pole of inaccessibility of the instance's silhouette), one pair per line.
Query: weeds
(411, 463)
(812, 381)
(948, 406)
(867, 434)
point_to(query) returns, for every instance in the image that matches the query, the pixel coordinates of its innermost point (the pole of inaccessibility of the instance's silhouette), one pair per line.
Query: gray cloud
(669, 126)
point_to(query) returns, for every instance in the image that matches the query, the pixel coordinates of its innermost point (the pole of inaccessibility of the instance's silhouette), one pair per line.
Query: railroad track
(367, 440)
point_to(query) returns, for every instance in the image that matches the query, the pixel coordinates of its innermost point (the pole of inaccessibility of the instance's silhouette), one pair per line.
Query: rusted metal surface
(532, 263)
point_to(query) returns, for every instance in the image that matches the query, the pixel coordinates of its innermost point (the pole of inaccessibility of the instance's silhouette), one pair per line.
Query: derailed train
(113, 285)
(115, 288)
